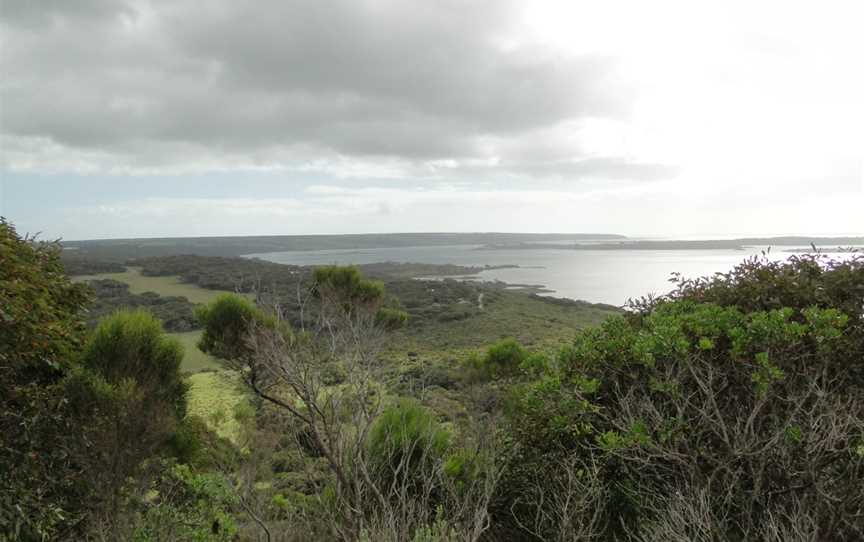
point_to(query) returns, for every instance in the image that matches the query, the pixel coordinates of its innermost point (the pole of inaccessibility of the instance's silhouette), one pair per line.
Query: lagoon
(598, 276)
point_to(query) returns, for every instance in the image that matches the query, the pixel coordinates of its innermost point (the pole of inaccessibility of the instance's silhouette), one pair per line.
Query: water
(598, 276)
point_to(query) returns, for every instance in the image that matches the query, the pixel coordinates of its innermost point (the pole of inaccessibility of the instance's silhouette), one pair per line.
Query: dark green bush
(347, 284)
(227, 322)
(391, 319)
(40, 324)
(41, 332)
(130, 345)
(503, 358)
(128, 401)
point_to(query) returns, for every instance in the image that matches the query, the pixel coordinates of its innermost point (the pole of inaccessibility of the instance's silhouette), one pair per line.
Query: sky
(147, 118)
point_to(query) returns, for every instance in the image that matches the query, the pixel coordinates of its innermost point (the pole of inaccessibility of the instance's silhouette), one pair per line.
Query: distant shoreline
(717, 244)
(121, 250)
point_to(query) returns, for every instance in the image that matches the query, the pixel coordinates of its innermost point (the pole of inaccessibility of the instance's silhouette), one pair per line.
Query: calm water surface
(599, 276)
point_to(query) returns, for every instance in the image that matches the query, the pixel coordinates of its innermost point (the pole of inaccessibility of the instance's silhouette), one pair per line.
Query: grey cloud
(439, 61)
(33, 14)
(603, 168)
(410, 80)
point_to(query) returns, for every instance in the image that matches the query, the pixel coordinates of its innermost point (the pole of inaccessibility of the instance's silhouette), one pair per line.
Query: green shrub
(132, 345)
(391, 319)
(346, 283)
(187, 505)
(504, 358)
(227, 322)
(735, 403)
(128, 389)
(406, 438)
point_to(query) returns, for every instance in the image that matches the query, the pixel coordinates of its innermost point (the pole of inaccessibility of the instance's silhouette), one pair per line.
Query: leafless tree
(287, 369)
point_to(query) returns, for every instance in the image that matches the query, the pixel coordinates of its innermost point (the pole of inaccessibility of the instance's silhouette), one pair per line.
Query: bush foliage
(80, 416)
(733, 407)
(40, 333)
(227, 321)
(404, 436)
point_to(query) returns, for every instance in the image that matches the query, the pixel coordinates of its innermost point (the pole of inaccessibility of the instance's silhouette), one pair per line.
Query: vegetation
(82, 417)
(437, 309)
(39, 334)
(127, 390)
(122, 250)
(175, 313)
(76, 265)
(131, 347)
(386, 464)
(404, 435)
(194, 360)
(215, 396)
(188, 506)
(167, 286)
(732, 407)
(345, 408)
(504, 357)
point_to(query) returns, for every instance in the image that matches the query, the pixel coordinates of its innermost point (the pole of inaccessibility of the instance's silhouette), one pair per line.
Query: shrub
(732, 407)
(346, 283)
(406, 438)
(188, 505)
(227, 322)
(390, 319)
(128, 399)
(503, 358)
(132, 345)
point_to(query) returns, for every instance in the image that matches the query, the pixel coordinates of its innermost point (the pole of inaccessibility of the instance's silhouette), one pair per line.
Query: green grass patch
(213, 397)
(194, 359)
(164, 286)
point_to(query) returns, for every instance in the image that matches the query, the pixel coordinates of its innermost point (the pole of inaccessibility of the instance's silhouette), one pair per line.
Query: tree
(344, 322)
(79, 417)
(131, 345)
(128, 397)
(228, 321)
(40, 334)
(40, 324)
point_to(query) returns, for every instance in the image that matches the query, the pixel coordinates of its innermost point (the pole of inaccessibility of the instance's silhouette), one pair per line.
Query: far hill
(120, 250)
(830, 243)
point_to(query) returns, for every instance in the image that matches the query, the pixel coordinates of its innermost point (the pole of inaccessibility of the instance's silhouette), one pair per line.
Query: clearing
(164, 286)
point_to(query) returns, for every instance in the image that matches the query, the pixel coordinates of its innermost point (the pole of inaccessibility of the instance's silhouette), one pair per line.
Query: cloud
(142, 86)
(48, 12)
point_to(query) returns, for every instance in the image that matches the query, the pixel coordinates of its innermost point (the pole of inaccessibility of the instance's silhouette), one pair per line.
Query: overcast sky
(183, 117)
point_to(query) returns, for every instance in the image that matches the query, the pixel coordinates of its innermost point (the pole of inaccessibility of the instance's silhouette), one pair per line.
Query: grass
(194, 360)
(213, 397)
(164, 286)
